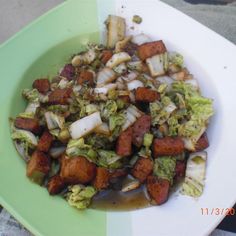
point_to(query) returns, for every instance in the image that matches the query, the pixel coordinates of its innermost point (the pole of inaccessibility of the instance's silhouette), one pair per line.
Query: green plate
(40, 50)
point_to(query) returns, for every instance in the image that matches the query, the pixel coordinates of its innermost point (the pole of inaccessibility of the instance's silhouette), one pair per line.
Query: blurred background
(219, 15)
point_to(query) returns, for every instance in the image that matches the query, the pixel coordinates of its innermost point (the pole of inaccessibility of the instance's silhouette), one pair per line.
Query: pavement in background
(15, 14)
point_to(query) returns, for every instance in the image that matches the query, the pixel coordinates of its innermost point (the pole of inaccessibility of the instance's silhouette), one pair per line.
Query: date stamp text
(217, 211)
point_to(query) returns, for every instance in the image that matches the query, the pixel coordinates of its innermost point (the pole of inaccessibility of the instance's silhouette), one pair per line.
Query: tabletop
(219, 15)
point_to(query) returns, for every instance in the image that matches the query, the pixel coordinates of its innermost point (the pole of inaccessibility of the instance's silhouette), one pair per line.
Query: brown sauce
(119, 201)
(112, 200)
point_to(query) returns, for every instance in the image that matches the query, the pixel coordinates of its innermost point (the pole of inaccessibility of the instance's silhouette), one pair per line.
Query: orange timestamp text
(217, 211)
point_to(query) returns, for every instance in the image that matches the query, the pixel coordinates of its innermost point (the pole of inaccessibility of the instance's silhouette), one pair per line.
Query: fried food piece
(59, 96)
(118, 173)
(29, 124)
(77, 170)
(202, 143)
(68, 71)
(106, 56)
(142, 169)
(45, 142)
(158, 189)
(125, 98)
(168, 146)
(180, 168)
(141, 126)
(38, 167)
(101, 180)
(143, 94)
(147, 50)
(55, 185)
(85, 77)
(42, 85)
(124, 143)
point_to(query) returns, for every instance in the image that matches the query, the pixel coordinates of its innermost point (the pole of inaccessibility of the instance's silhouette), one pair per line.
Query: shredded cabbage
(175, 58)
(84, 58)
(157, 64)
(30, 110)
(58, 108)
(23, 149)
(91, 108)
(99, 141)
(173, 125)
(80, 196)
(164, 168)
(147, 142)
(112, 94)
(116, 121)
(109, 159)
(25, 136)
(195, 174)
(199, 110)
(135, 65)
(77, 147)
(161, 111)
(54, 121)
(32, 95)
(108, 109)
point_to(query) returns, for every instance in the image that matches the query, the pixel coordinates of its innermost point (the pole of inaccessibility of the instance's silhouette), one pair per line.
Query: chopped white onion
(130, 183)
(165, 80)
(130, 76)
(147, 77)
(132, 97)
(189, 143)
(120, 69)
(170, 107)
(120, 84)
(117, 59)
(130, 117)
(85, 58)
(77, 88)
(25, 136)
(102, 129)
(57, 151)
(105, 88)
(132, 114)
(123, 93)
(115, 30)
(135, 65)
(53, 120)
(135, 84)
(63, 83)
(193, 82)
(141, 39)
(195, 174)
(43, 98)
(101, 90)
(106, 75)
(21, 148)
(120, 45)
(32, 107)
(195, 168)
(85, 125)
(156, 65)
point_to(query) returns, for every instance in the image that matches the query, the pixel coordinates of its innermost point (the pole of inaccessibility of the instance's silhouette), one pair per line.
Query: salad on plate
(118, 117)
